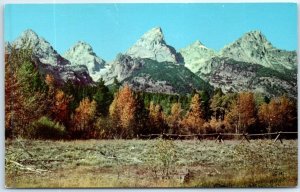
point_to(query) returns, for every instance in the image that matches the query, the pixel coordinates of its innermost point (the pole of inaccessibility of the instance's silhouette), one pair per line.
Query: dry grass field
(150, 163)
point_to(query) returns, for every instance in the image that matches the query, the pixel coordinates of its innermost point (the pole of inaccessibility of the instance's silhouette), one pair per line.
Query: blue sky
(113, 28)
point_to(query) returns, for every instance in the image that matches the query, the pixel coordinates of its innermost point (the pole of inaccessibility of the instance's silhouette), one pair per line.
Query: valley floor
(150, 163)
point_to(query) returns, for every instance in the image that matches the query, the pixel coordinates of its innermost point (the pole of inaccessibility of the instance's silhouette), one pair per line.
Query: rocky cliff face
(236, 76)
(82, 54)
(153, 46)
(122, 67)
(49, 61)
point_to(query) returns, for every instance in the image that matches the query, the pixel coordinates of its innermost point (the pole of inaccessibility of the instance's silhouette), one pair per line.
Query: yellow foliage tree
(277, 114)
(156, 118)
(123, 111)
(85, 114)
(193, 120)
(243, 112)
(175, 117)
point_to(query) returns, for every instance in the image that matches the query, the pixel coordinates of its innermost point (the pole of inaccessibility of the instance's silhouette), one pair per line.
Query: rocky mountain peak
(153, 46)
(258, 38)
(198, 44)
(30, 34)
(252, 47)
(196, 55)
(82, 54)
(154, 35)
(82, 46)
(41, 49)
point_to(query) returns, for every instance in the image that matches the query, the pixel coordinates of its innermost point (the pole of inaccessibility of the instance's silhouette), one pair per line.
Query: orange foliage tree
(174, 118)
(85, 115)
(156, 119)
(193, 120)
(243, 113)
(24, 97)
(61, 107)
(123, 112)
(278, 115)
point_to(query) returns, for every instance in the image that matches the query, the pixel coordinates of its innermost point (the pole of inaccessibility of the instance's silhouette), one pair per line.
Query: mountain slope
(236, 76)
(153, 46)
(82, 54)
(152, 76)
(165, 78)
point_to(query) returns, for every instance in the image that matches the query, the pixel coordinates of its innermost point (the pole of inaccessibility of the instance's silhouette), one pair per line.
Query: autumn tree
(24, 92)
(123, 111)
(84, 117)
(243, 113)
(193, 120)
(60, 109)
(157, 119)
(174, 118)
(220, 104)
(278, 115)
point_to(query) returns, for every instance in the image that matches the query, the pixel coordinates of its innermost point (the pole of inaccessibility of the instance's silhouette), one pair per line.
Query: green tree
(103, 97)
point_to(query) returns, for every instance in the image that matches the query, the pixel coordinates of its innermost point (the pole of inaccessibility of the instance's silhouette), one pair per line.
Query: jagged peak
(29, 33)
(154, 34)
(255, 35)
(83, 46)
(199, 44)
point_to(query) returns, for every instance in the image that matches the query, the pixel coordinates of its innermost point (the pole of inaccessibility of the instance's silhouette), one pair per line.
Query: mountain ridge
(150, 55)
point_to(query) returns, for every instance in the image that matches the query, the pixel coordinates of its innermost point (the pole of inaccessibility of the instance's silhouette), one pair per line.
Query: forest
(38, 107)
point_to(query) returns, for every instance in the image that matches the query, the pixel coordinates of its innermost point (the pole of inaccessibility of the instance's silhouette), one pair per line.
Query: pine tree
(103, 98)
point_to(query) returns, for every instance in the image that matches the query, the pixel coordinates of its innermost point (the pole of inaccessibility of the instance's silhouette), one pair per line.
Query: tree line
(38, 107)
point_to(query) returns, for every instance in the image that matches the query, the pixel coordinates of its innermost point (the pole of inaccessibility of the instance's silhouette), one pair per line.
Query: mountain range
(251, 63)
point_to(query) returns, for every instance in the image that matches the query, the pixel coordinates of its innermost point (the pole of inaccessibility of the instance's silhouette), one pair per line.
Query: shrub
(45, 128)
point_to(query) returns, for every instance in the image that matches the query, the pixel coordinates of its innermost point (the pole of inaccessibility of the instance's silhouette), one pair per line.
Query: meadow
(150, 163)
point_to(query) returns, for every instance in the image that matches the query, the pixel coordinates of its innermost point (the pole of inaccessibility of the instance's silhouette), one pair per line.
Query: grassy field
(150, 163)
